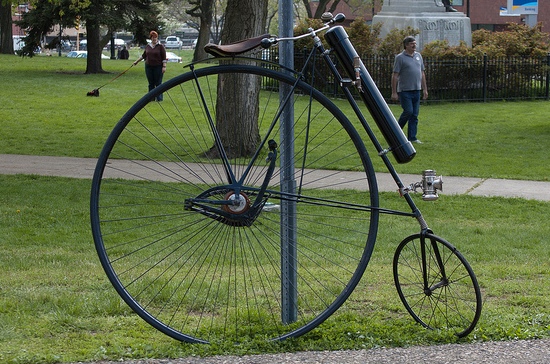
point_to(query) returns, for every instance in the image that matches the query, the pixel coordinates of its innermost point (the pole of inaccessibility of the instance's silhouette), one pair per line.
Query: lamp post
(113, 56)
(59, 44)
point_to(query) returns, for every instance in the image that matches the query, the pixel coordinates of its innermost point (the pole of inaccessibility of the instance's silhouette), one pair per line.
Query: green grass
(46, 112)
(56, 304)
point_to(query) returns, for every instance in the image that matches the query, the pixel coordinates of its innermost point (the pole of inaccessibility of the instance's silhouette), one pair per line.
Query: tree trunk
(237, 106)
(93, 62)
(6, 39)
(206, 13)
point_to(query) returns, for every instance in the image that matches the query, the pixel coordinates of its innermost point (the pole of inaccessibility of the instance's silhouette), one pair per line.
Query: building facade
(483, 14)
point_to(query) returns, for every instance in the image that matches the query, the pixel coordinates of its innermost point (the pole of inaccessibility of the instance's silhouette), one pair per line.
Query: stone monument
(434, 22)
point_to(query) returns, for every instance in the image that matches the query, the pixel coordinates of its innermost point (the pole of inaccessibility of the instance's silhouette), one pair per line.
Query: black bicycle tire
(427, 321)
(104, 159)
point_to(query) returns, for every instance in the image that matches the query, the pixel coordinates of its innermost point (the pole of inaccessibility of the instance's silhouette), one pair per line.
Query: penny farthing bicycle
(217, 219)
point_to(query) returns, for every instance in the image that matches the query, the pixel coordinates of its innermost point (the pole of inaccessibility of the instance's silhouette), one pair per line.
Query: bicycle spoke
(192, 233)
(436, 284)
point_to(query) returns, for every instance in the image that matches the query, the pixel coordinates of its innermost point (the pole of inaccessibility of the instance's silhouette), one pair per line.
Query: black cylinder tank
(401, 148)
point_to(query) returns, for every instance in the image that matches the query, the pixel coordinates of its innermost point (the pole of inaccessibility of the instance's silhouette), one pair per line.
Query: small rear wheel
(436, 284)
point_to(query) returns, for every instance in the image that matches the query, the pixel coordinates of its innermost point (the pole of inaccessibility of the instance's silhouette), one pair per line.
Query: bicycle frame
(401, 148)
(207, 257)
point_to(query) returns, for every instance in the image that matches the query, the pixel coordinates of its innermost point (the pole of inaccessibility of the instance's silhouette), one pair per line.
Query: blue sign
(523, 6)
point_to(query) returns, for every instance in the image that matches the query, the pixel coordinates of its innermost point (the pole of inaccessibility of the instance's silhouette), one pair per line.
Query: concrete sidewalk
(84, 168)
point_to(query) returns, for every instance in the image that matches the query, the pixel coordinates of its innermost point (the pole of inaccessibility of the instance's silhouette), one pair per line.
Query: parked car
(172, 57)
(172, 42)
(118, 43)
(83, 54)
(66, 45)
(76, 54)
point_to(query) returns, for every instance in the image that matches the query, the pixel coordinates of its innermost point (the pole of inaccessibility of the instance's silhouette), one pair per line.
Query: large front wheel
(211, 239)
(436, 284)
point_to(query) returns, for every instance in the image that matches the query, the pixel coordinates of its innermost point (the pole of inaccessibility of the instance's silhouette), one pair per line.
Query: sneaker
(417, 141)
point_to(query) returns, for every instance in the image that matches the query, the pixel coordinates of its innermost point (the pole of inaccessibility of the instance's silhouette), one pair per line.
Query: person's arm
(163, 57)
(394, 80)
(140, 58)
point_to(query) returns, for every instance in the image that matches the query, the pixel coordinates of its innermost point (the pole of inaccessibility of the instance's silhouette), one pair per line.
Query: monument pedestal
(433, 21)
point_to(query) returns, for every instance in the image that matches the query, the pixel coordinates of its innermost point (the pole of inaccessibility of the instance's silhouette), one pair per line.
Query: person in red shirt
(155, 62)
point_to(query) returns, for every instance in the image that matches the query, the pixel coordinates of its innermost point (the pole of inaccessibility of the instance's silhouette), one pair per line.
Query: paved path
(84, 168)
(493, 352)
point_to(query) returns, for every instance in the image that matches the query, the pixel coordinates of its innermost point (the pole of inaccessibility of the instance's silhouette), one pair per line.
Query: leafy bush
(517, 40)
(392, 44)
(302, 28)
(365, 37)
(441, 49)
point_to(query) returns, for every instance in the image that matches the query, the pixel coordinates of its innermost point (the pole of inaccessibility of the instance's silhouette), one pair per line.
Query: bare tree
(322, 6)
(330, 6)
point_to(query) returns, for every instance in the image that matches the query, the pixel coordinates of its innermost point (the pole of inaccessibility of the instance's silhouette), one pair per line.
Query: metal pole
(60, 45)
(485, 60)
(289, 293)
(113, 56)
(548, 76)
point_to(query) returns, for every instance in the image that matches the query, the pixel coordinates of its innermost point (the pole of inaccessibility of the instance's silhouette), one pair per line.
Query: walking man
(408, 80)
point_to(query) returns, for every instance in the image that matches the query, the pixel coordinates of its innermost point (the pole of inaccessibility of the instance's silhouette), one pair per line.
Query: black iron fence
(461, 79)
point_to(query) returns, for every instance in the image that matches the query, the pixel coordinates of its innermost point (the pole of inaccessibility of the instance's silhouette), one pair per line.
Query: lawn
(46, 112)
(56, 304)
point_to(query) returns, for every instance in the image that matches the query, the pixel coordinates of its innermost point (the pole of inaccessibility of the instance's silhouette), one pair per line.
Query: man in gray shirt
(408, 79)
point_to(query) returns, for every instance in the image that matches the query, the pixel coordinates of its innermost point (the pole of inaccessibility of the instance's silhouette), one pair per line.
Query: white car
(83, 54)
(77, 54)
(172, 57)
(172, 42)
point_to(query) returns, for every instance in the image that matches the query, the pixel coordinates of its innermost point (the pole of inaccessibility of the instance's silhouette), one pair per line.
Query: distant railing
(461, 79)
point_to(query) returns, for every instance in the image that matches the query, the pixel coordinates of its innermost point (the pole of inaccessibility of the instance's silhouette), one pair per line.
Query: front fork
(443, 281)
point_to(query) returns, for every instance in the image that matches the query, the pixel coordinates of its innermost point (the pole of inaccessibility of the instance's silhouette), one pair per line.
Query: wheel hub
(240, 205)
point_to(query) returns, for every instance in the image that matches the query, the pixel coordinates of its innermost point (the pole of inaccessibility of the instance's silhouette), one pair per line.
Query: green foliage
(302, 28)
(517, 40)
(393, 42)
(365, 37)
(442, 50)
(113, 15)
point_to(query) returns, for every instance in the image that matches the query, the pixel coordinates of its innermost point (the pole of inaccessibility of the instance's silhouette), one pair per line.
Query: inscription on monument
(433, 22)
(432, 29)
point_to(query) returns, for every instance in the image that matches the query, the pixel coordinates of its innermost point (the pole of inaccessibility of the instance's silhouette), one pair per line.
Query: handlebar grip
(268, 42)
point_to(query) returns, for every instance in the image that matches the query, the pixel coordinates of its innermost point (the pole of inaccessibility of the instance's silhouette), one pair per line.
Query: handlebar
(266, 41)
(326, 17)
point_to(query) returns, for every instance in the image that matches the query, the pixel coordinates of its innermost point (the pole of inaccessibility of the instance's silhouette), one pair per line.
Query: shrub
(365, 37)
(392, 44)
(517, 40)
